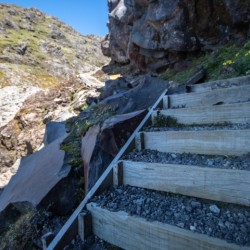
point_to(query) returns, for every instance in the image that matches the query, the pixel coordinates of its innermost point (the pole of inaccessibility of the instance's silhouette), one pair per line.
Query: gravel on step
(223, 162)
(95, 243)
(222, 126)
(219, 220)
(91, 243)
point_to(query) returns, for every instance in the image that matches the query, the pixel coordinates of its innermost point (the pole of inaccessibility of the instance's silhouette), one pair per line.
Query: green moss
(4, 81)
(45, 80)
(226, 62)
(78, 128)
(166, 121)
(84, 107)
(19, 235)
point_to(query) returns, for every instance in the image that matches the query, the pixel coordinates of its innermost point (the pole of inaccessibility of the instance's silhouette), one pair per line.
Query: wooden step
(130, 232)
(212, 97)
(209, 142)
(232, 113)
(225, 83)
(224, 185)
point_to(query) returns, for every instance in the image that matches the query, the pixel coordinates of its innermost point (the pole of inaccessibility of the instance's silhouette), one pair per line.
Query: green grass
(166, 121)
(3, 79)
(226, 62)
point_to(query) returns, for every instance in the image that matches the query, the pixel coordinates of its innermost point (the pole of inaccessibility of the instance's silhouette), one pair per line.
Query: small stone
(210, 162)
(229, 225)
(58, 100)
(174, 156)
(181, 224)
(214, 209)
(247, 213)
(119, 191)
(189, 209)
(243, 229)
(192, 228)
(221, 224)
(226, 164)
(195, 204)
(139, 202)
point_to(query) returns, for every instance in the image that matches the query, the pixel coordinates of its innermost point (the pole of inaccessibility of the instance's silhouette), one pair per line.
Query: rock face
(153, 34)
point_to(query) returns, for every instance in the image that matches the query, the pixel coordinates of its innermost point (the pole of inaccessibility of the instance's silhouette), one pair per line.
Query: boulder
(100, 145)
(36, 176)
(140, 97)
(142, 31)
(53, 131)
(116, 86)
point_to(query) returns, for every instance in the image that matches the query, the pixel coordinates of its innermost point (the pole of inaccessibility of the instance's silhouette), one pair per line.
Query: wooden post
(118, 174)
(139, 141)
(166, 102)
(84, 225)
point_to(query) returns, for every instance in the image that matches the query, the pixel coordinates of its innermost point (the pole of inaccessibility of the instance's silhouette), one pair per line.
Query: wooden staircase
(206, 104)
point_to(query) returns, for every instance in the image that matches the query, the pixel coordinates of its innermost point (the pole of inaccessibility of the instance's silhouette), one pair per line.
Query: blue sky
(86, 16)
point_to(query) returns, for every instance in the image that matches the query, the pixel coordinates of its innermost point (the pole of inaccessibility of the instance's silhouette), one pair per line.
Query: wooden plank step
(212, 97)
(130, 232)
(225, 83)
(210, 142)
(232, 113)
(224, 185)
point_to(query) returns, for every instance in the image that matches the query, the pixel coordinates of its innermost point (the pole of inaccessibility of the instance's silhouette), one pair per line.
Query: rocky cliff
(155, 34)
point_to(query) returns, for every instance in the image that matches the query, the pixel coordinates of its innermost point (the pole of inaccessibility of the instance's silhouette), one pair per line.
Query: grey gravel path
(223, 162)
(220, 220)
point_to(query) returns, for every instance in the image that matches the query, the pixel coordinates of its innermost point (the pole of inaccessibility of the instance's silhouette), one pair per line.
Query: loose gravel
(222, 126)
(220, 220)
(222, 162)
(95, 243)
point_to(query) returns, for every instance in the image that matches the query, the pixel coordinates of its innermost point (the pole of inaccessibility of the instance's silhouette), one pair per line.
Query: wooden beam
(212, 97)
(211, 142)
(84, 225)
(130, 232)
(118, 174)
(69, 229)
(224, 185)
(139, 141)
(237, 81)
(232, 113)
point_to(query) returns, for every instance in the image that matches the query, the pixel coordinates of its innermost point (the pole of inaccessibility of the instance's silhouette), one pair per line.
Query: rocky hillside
(153, 35)
(40, 50)
(44, 66)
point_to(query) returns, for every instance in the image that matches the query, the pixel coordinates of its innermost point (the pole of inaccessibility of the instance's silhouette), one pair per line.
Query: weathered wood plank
(84, 225)
(212, 97)
(213, 142)
(232, 113)
(130, 232)
(209, 183)
(69, 229)
(118, 174)
(225, 83)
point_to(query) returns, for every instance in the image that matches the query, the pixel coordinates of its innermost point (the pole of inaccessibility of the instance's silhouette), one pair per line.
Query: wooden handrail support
(70, 228)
